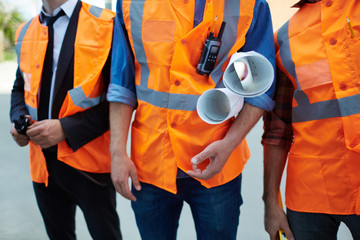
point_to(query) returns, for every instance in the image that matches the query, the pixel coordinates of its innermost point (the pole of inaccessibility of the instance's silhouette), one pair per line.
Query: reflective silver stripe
(231, 9)
(33, 112)
(20, 40)
(288, 63)
(315, 111)
(285, 53)
(349, 105)
(185, 102)
(136, 18)
(342, 107)
(172, 101)
(79, 98)
(96, 11)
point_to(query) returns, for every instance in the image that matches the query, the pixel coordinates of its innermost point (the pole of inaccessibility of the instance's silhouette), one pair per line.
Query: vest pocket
(319, 185)
(306, 76)
(158, 31)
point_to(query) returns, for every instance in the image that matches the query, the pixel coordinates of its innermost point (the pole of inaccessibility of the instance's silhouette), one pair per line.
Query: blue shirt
(259, 38)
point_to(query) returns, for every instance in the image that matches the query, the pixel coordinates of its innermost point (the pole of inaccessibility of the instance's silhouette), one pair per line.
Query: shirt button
(186, 1)
(329, 3)
(37, 66)
(343, 86)
(173, 125)
(177, 83)
(44, 32)
(333, 41)
(183, 41)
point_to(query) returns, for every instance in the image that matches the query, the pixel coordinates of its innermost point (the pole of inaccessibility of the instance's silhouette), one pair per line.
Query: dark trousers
(69, 188)
(318, 226)
(215, 210)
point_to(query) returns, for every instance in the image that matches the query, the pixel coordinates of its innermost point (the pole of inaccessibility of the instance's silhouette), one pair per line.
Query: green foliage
(10, 19)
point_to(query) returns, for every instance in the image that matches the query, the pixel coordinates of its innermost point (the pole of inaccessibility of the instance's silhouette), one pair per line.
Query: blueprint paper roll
(219, 104)
(260, 74)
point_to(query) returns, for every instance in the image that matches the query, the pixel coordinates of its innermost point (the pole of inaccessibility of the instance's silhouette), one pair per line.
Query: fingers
(122, 168)
(31, 121)
(206, 174)
(275, 221)
(217, 161)
(197, 159)
(46, 133)
(122, 187)
(20, 139)
(135, 180)
(288, 233)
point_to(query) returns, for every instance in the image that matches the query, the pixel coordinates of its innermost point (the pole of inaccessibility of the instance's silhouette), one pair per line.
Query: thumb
(31, 121)
(135, 180)
(200, 157)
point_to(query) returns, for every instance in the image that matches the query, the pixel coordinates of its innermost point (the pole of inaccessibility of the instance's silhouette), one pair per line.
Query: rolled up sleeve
(260, 38)
(122, 77)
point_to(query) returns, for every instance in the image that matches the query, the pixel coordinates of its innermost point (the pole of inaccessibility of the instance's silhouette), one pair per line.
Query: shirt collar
(68, 7)
(302, 2)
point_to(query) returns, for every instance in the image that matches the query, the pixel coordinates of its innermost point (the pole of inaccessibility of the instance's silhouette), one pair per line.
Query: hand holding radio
(21, 124)
(18, 130)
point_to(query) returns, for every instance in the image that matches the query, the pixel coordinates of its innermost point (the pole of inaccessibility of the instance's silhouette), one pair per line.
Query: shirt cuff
(117, 93)
(263, 101)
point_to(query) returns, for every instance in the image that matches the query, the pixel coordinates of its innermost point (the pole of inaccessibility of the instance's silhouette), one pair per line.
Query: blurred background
(19, 216)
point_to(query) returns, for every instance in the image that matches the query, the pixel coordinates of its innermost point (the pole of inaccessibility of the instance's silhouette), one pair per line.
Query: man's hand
(46, 133)
(21, 139)
(218, 153)
(121, 169)
(275, 220)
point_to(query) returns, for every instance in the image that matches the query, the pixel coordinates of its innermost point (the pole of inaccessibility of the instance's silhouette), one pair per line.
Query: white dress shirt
(60, 27)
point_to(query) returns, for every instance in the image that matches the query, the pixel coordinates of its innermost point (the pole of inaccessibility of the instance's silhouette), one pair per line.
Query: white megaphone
(248, 74)
(219, 104)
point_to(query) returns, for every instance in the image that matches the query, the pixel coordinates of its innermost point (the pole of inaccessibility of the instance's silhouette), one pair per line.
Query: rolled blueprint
(219, 104)
(248, 74)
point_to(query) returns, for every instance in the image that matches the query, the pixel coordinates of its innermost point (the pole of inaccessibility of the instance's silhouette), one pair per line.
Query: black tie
(47, 72)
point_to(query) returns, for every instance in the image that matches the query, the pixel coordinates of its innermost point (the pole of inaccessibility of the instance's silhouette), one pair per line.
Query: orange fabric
(90, 54)
(163, 139)
(324, 160)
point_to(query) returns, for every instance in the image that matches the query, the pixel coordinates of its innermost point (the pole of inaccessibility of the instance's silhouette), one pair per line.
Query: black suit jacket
(81, 127)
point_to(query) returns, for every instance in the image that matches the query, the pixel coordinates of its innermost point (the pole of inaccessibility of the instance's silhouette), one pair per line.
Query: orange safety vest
(167, 132)
(316, 50)
(90, 54)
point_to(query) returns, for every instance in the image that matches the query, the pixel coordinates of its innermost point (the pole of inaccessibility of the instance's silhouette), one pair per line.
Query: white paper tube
(219, 104)
(259, 78)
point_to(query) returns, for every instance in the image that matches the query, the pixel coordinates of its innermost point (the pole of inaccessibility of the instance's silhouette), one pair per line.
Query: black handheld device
(210, 52)
(21, 124)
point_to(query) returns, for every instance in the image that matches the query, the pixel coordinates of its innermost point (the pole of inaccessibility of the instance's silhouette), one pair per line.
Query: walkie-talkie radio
(210, 52)
(21, 124)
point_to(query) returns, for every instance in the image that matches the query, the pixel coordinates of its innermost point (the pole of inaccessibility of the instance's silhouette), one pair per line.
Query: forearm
(122, 168)
(83, 127)
(243, 123)
(274, 163)
(275, 218)
(120, 118)
(17, 98)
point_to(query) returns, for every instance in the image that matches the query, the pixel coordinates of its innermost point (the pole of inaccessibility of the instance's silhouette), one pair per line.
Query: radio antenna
(223, 24)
